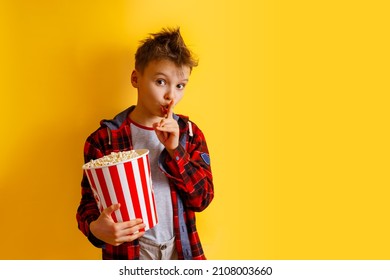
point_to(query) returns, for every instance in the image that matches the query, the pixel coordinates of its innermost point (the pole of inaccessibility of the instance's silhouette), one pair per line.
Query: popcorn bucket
(129, 183)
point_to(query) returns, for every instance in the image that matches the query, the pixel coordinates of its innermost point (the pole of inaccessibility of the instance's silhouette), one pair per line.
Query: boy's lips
(164, 109)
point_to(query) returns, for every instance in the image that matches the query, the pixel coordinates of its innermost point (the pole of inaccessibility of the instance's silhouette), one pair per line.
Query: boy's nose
(169, 94)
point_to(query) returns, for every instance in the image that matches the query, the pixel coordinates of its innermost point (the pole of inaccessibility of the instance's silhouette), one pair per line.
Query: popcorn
(112, 159)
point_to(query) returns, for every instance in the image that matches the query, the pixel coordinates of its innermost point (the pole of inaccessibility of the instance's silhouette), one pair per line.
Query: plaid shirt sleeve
(87, 210)
(191, 172)
(97, 145)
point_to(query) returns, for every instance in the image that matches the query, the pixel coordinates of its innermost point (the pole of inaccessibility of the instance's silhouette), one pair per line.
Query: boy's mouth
(164, 109)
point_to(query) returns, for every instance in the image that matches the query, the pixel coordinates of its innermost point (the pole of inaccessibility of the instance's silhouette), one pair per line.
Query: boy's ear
(134, 78)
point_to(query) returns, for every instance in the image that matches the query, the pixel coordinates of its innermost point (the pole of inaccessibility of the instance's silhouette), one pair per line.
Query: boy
(179, 159)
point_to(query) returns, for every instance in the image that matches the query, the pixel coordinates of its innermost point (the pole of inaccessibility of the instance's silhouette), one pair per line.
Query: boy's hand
(105, 229)
(167, 130)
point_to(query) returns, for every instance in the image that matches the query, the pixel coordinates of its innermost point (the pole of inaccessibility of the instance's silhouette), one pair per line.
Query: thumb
(109, 210)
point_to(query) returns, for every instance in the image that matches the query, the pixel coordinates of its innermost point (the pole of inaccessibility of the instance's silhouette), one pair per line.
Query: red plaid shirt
(189, 175)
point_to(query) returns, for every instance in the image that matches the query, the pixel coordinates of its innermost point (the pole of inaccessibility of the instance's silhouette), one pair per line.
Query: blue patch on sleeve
(206, 158)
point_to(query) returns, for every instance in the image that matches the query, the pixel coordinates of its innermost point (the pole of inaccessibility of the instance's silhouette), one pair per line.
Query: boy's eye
(181, 86)
(161, 82)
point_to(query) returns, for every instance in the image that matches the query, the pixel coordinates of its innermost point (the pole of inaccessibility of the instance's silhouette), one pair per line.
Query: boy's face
(161, 82)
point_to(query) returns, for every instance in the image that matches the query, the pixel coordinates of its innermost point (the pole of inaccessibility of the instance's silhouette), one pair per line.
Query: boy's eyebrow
(159, 73)
(163, 74)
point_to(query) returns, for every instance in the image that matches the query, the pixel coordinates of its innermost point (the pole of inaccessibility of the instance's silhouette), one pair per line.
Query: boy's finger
(134, 222)
(170, 110)
(109, 210)
(131, 225)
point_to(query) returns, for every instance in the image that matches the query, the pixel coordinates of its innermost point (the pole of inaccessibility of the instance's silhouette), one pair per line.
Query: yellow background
(293, 97)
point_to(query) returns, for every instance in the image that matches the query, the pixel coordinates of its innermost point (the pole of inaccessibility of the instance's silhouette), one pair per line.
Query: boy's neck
(140, 118)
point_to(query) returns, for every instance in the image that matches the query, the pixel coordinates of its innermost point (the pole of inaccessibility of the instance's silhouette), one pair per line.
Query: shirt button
(163, 247)
(177, 158)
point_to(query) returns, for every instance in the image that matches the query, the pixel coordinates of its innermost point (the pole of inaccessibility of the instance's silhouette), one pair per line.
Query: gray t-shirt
(146, 138)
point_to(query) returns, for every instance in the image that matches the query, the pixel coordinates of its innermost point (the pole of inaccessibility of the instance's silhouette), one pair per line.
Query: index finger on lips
(170, 110)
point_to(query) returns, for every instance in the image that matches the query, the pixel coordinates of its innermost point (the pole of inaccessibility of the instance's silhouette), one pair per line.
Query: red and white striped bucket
(128, 183)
